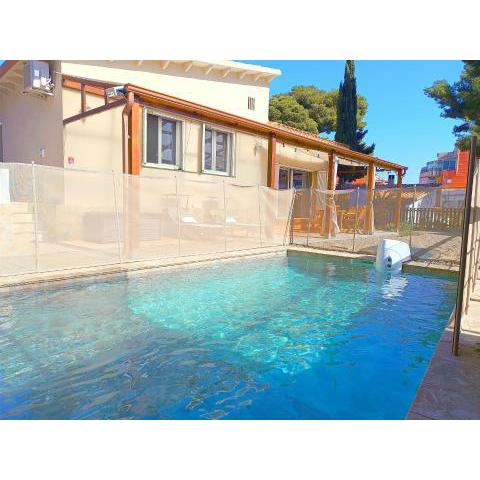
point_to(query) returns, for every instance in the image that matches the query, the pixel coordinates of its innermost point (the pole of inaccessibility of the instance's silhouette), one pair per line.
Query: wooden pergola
(134, 97)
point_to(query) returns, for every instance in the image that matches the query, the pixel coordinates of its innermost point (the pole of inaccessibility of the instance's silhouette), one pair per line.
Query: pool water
(297, 337)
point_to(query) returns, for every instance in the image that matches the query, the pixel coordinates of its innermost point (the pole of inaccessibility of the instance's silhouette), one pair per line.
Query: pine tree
(347, 130)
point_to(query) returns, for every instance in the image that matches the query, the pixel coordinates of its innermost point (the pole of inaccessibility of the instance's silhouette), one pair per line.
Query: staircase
(17, 229)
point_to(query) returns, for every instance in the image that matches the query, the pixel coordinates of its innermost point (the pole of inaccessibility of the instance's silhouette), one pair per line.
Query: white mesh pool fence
(54, 218)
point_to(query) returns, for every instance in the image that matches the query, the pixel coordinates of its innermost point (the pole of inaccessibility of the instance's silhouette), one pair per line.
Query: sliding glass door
(292, 178)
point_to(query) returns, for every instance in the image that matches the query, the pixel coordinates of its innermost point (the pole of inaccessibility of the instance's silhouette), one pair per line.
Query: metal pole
(471, 263)
(309, 214)
(412, 213)
(463, 253)
(356, 221)
(289, 219)
(117, 218)
(178, 213)
(259, 214)
(35, 215)
(224, 218)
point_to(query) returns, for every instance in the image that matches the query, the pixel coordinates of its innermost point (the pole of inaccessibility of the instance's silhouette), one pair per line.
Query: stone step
(22, 217)
(17, 228)
(15, 207)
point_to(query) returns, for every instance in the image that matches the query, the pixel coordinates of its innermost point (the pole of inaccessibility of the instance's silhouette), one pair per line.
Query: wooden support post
(272, 160)
(329, 229)
(398, 206)
(370, 193)
(134, 140)
(83, 98)
(332, 171)
(134, 159)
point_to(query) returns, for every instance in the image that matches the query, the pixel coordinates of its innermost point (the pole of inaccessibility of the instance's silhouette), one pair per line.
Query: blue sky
(404, 123)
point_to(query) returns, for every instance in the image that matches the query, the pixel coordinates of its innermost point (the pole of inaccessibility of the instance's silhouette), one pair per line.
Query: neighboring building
(186, 118)
(457, 177)
(449, 170)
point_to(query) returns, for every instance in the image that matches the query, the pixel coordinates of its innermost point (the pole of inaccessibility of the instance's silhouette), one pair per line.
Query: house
(187, 118)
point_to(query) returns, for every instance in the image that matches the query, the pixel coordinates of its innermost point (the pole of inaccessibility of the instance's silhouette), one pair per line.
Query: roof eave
(6, 66)
(257, 127)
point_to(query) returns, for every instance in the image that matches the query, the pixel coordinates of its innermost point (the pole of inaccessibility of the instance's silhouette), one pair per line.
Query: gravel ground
(434, 247)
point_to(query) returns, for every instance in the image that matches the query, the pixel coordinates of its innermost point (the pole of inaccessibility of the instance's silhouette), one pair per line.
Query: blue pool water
(298, 337)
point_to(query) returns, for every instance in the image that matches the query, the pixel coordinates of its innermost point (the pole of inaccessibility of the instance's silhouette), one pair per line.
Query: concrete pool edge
(32, 279)
(129, 268)
(408, 266)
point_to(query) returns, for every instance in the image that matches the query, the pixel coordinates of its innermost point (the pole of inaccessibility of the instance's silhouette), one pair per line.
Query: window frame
(179, 140)
(290, 171)
(230, 170)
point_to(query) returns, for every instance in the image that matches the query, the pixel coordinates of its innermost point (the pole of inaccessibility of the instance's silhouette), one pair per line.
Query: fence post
(398, 210)
(412, 213)
(117, 218)
(309, 214)
(178, 213)
(259, 213)
(224, 217)
(471, 264)
(288, 227)
(356, 222)
(35, 216)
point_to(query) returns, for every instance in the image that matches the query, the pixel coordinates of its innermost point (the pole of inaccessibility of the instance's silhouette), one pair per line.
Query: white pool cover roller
(391, 254)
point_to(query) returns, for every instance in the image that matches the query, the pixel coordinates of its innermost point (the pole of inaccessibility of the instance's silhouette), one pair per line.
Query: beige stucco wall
(95, 142)
(72, 102)
(250, 155)
(32, 123)
(229, 93)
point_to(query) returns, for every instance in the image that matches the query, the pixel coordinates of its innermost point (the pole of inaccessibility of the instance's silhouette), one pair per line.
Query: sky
(404, 123)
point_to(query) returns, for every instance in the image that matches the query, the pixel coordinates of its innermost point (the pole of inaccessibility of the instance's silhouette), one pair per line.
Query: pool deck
(451, 387)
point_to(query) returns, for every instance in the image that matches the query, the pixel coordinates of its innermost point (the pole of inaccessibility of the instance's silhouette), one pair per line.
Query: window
(162, 141)
(251, 103)
(217, 151)
(291, 178)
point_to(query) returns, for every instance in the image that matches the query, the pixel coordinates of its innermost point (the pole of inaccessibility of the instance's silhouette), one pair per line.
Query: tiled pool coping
(451, 386)
(129, 268)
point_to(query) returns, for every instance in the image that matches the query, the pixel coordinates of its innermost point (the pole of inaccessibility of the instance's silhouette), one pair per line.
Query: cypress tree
(347, 131)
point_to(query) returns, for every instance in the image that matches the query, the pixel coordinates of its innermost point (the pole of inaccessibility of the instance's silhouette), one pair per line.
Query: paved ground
(451, 387)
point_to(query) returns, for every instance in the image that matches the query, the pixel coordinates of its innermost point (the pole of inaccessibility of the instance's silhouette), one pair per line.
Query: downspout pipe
(125, 119)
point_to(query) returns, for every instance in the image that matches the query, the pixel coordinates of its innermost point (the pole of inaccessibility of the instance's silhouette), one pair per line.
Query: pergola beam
(226, 72)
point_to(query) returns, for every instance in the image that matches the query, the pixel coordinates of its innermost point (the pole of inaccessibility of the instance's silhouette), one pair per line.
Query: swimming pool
(297, 337)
